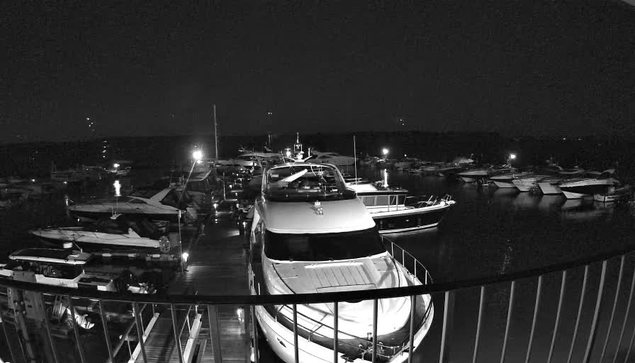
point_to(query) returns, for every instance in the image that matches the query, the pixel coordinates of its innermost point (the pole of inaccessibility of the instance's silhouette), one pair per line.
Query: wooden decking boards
(216, 266)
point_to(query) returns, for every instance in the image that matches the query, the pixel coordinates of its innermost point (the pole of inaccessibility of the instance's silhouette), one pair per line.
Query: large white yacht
(311, 235)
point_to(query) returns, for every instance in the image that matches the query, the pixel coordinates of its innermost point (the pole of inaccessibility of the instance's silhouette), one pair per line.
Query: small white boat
(64, 267)
(394, 211)
(617, 195)
(165, 205)
(586, 187)
(119, 232)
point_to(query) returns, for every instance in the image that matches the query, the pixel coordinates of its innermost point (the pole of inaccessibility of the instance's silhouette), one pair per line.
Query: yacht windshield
(305, 182)
(323, 247)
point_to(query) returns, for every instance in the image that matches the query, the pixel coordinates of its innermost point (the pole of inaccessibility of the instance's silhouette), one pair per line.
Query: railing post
(509, 319)
(479, 321)
(214, 331)
(177, 340)
(82, 357)
(375, 322)
(6, 335)
(411, 333)
(254, 327)
(137, 316)
(617, 293)
(296, 348)
(104, 325)
(626, 314)
(596, 315)
(336, 313)
(448, 319)
(563, 288)
(577, 320)
(534, 319)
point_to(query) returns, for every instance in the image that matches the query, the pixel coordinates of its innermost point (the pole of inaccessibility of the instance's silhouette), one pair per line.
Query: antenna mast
(215, 135)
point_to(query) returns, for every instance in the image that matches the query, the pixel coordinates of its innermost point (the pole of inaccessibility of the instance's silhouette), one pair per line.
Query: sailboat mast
(355, 156)
(215, 135)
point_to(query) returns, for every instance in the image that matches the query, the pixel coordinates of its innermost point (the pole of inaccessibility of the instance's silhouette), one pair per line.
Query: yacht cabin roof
(51, 255)
(321, 217)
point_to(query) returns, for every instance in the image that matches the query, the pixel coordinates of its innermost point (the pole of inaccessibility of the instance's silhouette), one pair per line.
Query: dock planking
(217, 266)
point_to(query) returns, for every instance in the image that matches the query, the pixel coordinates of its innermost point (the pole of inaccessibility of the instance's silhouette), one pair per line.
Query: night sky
(156, 67)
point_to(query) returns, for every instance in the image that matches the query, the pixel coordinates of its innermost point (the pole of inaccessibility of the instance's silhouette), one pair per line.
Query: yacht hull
(281, 339)
(549, 188)
(410, 219)
(503, 184)
(91, 215)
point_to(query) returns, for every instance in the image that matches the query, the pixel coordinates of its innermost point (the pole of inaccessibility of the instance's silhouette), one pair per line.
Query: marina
(219, 322)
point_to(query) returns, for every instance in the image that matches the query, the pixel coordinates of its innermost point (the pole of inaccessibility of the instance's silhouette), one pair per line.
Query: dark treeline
(36, 159)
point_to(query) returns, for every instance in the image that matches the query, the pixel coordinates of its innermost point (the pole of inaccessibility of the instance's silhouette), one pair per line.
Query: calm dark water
(488, 232)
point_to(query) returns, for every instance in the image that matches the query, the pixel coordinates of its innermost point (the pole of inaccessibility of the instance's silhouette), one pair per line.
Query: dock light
(116, 165)
(385, 151)
(185, 256)
(197, 155)
(32, 180)
(117, 186)
(512, 156)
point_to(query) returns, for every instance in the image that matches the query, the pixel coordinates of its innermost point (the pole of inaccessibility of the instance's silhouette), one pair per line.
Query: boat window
(306, 183)
(368, 201)
(323, 247)
(382, 200)
(107, 225)
(60, 271)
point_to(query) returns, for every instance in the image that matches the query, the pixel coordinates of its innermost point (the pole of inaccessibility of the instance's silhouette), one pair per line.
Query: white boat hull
(503, 184)
(281, 340)
(573, 195)
(549, 188)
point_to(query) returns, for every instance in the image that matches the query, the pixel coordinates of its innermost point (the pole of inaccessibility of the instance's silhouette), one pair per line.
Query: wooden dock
(217, 266)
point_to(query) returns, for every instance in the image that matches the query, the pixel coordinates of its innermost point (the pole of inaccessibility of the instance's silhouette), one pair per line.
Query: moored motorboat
(311, 235)
(394, 210)
(617, 195)
(165, 205)
(65, 267)
(586, 187)
(118, 232)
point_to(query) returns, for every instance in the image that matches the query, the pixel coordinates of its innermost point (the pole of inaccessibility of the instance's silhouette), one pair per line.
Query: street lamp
(511, 158)
(197, 156)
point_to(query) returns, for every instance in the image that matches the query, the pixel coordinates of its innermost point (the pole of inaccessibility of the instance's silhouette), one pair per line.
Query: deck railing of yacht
(410, 262)
(603, 331)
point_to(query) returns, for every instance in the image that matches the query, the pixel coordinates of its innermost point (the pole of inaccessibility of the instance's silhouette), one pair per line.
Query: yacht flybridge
(311, 235)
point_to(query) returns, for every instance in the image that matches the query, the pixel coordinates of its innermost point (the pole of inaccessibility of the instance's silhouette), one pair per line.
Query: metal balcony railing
(577, 311)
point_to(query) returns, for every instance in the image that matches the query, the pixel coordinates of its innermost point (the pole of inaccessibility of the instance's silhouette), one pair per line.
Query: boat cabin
(60, 267)
(295, 182)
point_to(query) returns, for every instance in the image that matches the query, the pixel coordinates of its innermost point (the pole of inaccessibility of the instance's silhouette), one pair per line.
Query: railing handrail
(316, 298)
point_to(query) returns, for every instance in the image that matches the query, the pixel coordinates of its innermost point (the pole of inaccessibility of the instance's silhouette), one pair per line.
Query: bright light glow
(185, 255)
(116, 165)
(384, 151)
(32, 180)
(197, 155)
(288, 153)
(512, 156)
(385, 178)
(117, 186)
